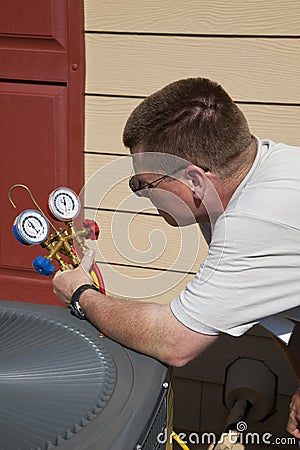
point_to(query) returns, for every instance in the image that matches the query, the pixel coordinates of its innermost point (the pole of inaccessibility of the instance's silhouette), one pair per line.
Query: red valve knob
(92, 228)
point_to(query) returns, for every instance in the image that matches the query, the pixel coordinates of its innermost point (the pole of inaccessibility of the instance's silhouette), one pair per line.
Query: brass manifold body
(62, 242)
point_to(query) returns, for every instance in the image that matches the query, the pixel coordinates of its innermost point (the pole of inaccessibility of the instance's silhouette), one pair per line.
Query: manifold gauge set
(64, 244)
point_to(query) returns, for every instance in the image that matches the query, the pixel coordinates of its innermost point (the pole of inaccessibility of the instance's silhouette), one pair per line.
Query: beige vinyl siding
(106, 116)
(217, 17)
(133, 48)
(251, 69)
(160, 251)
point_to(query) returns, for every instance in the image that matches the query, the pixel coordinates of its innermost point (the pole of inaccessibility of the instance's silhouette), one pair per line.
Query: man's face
(173, 195)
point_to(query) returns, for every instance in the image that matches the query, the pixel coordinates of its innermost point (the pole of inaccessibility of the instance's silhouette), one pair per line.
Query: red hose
(99, 278)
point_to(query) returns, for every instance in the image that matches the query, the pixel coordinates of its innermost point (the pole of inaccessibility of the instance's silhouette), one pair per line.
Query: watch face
(74, 304)
(76, 310)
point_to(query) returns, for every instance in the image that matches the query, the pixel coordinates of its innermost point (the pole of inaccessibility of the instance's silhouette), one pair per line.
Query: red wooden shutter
(41, 123)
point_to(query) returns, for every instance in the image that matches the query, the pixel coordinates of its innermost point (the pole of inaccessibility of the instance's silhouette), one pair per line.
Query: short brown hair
(194, 119)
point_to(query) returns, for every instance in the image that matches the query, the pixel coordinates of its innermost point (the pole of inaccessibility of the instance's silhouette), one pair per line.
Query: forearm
(149, 328)
(135, 324)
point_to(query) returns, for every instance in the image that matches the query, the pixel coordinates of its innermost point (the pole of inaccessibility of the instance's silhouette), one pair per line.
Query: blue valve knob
(43, 265)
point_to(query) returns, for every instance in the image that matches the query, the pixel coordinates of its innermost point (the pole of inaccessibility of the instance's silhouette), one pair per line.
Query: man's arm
(149, 328)
(294, 415)
(293, 354)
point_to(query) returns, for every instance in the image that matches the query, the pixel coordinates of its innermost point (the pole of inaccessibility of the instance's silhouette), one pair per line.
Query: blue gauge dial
(31, 227)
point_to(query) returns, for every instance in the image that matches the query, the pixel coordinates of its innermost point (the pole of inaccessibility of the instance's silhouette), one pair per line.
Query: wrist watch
(74, 305)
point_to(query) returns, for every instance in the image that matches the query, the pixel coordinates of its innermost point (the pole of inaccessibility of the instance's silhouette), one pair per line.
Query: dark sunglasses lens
(135, 185)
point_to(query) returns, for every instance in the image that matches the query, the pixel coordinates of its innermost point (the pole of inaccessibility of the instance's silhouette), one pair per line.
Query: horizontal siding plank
(271, 17)
(148, 241)
(106, 184)
(106, 117)
(278, 123)
(249, 69)
(141, 283)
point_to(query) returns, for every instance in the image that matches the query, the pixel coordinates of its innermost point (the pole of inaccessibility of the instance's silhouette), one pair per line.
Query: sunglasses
(142, 189)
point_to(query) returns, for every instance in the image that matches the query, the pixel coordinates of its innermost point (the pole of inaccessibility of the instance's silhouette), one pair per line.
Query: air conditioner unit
(64, 385)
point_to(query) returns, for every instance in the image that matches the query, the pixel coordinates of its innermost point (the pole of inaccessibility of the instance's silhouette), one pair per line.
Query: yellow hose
(95, 279)
(179, 441)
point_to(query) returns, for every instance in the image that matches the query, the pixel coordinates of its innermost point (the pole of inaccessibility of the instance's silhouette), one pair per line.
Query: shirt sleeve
(252, 271)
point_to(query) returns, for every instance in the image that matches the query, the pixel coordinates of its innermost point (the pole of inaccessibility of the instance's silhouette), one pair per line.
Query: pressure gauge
(31, 227)
(64, 204)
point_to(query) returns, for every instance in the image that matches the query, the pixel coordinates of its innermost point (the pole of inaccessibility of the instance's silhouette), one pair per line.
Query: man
(243, 192)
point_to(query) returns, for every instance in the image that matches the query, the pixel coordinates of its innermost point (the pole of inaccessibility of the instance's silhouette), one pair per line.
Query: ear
(196, 178)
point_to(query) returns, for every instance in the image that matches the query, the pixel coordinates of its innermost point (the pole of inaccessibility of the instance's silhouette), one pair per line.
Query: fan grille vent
(53, 381)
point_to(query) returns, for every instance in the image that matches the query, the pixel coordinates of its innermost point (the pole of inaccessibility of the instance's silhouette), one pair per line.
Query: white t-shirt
(252, 270)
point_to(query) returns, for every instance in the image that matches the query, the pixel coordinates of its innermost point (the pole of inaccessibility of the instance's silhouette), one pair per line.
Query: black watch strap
(74, 305)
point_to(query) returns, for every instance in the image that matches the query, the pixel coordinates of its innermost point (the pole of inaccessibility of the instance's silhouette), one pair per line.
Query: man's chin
(172, 221)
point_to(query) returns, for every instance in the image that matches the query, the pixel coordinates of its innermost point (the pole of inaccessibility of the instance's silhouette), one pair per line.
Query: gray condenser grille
(157, 426)
(54, 380)
(63, 386)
